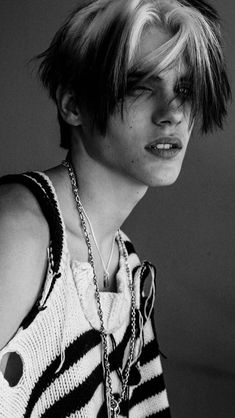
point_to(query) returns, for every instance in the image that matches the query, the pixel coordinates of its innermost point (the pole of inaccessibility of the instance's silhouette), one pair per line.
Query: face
(148, 144)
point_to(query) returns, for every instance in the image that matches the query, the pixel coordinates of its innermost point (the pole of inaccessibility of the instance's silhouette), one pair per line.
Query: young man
(130, 79)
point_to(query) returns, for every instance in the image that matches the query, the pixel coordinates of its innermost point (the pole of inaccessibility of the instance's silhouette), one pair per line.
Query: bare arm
(24, 237)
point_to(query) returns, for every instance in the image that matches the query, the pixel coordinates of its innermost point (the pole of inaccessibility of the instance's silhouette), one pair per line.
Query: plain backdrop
(187, 230)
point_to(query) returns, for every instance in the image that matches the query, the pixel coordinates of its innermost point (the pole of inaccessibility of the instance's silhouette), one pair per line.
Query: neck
(108, 196)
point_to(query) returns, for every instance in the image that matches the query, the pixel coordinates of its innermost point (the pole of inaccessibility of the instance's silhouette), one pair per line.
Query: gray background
(187, 230)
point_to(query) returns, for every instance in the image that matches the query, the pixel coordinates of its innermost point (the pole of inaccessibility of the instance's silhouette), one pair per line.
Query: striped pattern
(60, 334)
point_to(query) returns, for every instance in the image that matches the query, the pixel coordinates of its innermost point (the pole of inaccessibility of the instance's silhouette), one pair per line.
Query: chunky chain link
(114, 404)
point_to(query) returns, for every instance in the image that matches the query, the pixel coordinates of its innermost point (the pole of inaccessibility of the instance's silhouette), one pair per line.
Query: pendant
(106, 279)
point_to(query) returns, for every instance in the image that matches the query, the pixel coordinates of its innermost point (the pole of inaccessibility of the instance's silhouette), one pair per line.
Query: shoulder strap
(42, 191)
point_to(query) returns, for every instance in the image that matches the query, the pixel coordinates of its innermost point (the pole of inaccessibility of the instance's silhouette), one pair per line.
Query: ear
(68, 107)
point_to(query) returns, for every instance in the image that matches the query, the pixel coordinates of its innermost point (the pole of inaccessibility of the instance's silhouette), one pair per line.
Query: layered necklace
(113, 404)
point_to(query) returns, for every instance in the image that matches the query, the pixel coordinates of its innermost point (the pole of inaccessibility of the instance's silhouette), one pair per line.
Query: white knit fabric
(70, 313)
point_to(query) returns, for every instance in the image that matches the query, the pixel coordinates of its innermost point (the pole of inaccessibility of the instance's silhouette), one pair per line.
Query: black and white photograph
(117, 209)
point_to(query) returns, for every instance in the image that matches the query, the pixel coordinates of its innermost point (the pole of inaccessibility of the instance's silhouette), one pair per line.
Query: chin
(166, 179)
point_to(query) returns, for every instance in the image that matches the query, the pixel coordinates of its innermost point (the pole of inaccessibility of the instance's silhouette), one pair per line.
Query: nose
(168, 112)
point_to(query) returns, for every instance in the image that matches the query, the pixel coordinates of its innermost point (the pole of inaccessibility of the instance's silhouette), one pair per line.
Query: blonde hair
(94, 53)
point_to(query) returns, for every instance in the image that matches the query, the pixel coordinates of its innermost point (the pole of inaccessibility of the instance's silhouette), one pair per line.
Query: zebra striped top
(59, 340)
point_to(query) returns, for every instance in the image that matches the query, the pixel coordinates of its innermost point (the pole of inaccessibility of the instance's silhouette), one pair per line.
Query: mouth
(165, 147)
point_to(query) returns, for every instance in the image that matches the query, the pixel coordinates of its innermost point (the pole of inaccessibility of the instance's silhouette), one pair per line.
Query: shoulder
(20, 216)
(23, 241)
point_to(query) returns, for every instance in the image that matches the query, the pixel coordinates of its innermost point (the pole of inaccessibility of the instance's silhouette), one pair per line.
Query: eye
(140, 90)
(145, 88)
(184, 91)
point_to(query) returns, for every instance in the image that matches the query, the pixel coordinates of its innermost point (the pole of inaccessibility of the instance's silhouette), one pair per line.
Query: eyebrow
(139, 75)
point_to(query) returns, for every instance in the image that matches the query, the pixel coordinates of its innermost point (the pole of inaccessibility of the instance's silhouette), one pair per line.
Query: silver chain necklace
(112, 403)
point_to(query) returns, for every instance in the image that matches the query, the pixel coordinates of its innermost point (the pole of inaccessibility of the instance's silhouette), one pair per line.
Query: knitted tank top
(59, 341)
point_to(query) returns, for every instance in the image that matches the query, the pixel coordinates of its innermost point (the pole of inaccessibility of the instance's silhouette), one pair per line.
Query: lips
(165, 147)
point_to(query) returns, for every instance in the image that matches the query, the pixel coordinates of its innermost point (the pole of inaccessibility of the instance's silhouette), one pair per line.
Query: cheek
(122, 132)
(130, 134)
(138, 117)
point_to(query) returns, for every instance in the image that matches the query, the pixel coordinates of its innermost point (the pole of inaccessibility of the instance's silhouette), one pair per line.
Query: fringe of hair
(95, 51)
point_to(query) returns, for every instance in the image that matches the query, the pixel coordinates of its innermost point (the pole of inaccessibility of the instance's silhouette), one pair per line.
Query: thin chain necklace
(105, 267)
(112, 403)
